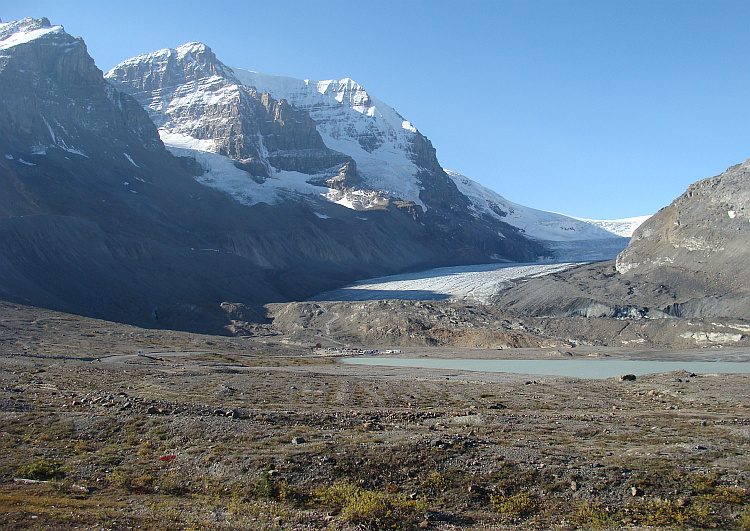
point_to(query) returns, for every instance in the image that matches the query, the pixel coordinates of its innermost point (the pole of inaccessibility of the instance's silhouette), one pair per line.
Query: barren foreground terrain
(205, 432)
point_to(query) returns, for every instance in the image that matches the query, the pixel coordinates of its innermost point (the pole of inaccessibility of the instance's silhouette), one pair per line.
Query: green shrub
(42, 470)
(372, 509)
(516, 506)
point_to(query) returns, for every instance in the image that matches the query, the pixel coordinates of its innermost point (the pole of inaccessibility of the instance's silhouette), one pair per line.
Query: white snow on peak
(352, 121)
(24, 31)
(537, 224)
(191, 48)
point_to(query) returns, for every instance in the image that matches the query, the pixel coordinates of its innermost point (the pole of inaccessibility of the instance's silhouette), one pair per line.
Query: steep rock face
(189, 92)
(46, 78)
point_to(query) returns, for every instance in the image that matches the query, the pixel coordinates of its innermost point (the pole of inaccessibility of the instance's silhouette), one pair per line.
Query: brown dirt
(200, 433)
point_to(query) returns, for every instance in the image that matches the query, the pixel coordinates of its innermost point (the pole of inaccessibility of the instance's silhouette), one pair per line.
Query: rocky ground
(472, 324)
(206, 432)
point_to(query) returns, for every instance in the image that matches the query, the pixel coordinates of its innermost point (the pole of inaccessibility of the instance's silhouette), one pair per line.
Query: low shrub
(372, 509)
(41, 470)
(518, 505)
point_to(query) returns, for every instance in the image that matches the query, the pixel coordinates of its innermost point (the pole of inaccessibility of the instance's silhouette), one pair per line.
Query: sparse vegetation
(267, 443)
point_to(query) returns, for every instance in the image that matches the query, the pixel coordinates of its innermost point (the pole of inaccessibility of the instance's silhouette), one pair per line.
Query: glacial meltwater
(589, 368)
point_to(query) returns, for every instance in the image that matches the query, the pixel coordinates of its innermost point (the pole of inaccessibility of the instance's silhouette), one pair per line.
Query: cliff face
(55, 99)
(189, 92)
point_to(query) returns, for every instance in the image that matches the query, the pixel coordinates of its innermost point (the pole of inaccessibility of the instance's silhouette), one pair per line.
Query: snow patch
(9, 157)
(407, 125)
(23, 35)
(49, 128)
(131, 160)
(182, 141)
(26, 162)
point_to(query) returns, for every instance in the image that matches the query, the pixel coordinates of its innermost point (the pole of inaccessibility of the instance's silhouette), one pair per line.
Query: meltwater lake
(588, 368)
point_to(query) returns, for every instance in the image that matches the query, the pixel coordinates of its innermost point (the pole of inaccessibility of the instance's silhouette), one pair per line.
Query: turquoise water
(596, 368)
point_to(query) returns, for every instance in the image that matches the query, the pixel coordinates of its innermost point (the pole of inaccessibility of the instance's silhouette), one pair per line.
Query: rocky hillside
(703, 239)
(688, 260)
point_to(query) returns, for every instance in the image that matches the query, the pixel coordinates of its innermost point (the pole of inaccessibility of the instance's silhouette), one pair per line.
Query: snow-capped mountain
(379, 139)
(258, 147)
(379, 157)
(537, 224)
(351, 121)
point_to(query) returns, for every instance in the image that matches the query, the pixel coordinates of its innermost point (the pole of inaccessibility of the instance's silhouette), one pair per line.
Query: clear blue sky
(598, 109)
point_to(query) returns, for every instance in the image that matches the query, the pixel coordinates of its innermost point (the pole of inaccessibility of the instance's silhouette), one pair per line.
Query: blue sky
(595, 109)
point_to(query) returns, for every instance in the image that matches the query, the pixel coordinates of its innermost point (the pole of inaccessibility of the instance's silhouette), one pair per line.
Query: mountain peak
(26, 30)
(193, 62)
(193, 47)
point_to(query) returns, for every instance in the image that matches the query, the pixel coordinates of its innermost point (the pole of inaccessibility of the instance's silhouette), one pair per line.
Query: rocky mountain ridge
(390, 161)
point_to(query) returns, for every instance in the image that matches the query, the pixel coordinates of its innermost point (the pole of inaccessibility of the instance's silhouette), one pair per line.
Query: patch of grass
(370, 509)
(519, 505)
(671, 513)
(592, 516)
(42, 470)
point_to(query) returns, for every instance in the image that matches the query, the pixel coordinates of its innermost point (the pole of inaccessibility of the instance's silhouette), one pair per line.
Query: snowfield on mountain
(184, 88)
